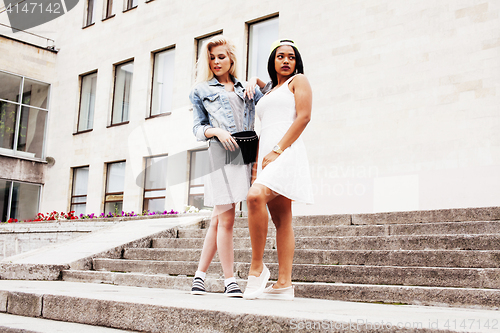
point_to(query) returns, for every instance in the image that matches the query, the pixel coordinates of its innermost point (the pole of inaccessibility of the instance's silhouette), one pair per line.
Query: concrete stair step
(312, 220)
(422, 258)
(391, 275)
(396, 294)
(446, 228)
(441, 228)
(21, 324)
(300, 231)
(197, 243)
(167, 310)
(412, 242)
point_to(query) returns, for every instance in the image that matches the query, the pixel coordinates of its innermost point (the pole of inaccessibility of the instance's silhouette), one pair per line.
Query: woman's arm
(224, 137)
(202, 128)
(254, 168)
(200, 117)
(250, 88)
(303, 104)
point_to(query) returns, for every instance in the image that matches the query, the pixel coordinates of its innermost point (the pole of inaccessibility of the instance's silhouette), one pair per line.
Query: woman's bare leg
(225, 238)
(257, 199)
(281, 213)
(209, 244)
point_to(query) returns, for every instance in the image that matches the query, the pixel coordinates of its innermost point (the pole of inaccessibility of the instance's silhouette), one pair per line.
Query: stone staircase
(439, 258)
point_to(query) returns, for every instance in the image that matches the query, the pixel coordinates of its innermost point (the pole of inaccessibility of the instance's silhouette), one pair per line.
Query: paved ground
(99, 241)
(10, 323)
(300, 313)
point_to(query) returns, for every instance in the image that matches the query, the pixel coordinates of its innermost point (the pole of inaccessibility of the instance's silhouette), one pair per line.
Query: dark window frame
(111, 124)
(82, 76)
(169, 48)
(114, 194)
(248, 24)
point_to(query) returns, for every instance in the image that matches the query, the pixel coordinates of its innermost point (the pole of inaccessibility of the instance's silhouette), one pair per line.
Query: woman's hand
(250, 88)
(269, 158)
(226, 139)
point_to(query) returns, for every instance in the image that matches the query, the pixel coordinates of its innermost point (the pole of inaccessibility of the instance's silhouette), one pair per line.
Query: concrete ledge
(15, 271)
(426, 216)
(157, 310)
(25, 304)
(47, 263)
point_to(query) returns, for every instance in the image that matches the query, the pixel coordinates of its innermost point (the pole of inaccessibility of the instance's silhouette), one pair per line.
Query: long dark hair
(271, 69)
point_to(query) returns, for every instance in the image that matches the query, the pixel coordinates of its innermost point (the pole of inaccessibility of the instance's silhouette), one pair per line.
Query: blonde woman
(220, 109)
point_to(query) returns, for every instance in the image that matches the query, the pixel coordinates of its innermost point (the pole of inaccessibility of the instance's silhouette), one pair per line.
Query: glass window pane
(163, 82)
(156, 172)
(35, 93)
(123, 85)
(90, 12)
(10, 85)
(76, 200)
(80, 180)
(113, 207)
(261, 36)
(25, 198)
(202, 41)
(115, 177)
(109, 8)
(8, 115)
(199, 166)
(4, 199)
(87, 102)
(154, 205)
(31, 131)
(154, 194)
(197, 201)
(196, 190)
(79, 209)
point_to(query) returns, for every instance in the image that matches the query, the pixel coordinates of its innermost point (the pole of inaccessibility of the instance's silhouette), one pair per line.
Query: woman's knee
(226, 224)
(255, 197)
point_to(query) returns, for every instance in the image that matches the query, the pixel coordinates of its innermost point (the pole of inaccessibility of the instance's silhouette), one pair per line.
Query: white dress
(226, 183)
(289, 174)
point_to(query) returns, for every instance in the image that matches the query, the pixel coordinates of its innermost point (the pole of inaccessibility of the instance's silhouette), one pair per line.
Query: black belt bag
(247, 153)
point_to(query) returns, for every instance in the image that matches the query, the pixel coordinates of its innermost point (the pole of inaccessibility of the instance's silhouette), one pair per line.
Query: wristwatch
(277, 150)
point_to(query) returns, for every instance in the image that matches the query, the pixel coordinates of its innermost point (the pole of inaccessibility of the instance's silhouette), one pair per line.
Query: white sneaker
(256, 285)
(286, 294)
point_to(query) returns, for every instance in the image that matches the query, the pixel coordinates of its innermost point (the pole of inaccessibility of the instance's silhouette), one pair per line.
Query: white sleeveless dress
(289, 174)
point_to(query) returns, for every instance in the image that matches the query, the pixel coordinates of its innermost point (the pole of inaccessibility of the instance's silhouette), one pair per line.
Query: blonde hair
(203, 71)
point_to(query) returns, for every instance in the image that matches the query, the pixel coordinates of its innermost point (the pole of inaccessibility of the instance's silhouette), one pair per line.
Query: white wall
(406, 104)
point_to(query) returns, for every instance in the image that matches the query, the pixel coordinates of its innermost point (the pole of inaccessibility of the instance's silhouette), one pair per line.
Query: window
(18, 200)
(198, 169)
(115, 181)
(23, 115)
(260, 37)
(202, 40)
(131, 4)
(87, 102)
(155, 184)
(79, 192)
(89, 15)
(122, 92)
(108, 10)
(163, 82)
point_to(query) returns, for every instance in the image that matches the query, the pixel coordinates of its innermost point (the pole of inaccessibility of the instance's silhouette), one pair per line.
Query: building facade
(406, 101)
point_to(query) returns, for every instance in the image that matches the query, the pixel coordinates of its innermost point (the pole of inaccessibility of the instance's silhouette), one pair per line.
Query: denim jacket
(211, 107)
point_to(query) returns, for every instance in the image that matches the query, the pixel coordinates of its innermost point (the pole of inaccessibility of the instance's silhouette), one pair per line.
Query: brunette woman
(282, 174)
